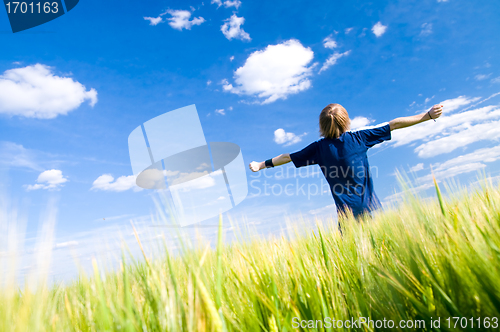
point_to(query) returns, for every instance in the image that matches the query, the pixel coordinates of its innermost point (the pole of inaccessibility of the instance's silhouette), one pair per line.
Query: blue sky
(259, 72)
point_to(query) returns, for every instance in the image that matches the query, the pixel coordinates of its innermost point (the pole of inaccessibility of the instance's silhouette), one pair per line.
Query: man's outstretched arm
(282, 159)
(434, 113)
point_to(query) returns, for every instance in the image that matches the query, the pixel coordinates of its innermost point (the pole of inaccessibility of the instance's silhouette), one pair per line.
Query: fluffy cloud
(220, 111)
(455, 103)
(154, 20)
(333, 60)
(461, 138)
(486, 155)
(466, 163)
(360, 122)
(232, 28)
(379, 29)
(106, 182)
(227, 3)
(417, 167)
(452, 131)
(282, 137)
(51, 180)
(274, 73)
(431, 129)
(328, 42)
(35, 92)
(447, 125)
(180, 19)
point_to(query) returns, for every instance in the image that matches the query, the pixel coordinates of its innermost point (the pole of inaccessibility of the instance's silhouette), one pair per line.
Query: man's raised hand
(436, 111)
(255, 166)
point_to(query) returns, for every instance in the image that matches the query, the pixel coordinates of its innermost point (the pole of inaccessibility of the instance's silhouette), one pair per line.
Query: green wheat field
(421, 261)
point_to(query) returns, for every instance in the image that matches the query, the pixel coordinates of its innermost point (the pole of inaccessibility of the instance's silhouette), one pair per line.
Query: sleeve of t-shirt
(306, 156)
(375, 135)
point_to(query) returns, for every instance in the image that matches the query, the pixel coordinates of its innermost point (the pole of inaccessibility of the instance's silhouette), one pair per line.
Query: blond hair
(333, 121)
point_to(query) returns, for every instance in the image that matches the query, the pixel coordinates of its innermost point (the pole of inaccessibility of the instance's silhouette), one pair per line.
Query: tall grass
(418, 261)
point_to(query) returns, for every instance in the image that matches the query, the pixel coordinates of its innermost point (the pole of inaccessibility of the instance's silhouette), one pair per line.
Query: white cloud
(231, 58)
(332, 60)
(232, 28)
(451, 172)
(495, 80)
(35, 92)
(450, 105)
(154, 20)
(282, 137)
(426, 29)
(481, 77)
(220, 111)
(194, 181)
(442, 0)
(461, 138)
(274, 73)
(417, 167)
(227, 3)
(482, 101)
(452, 131)
(16, 155)
(359, 122)
(106, 182)
(169, 173)
(209, 82)
(379, 29)
(348, 30)
(189, 176)
(328, 42)
(180, 19)
(203, 166)
(429, 99)
(463, 164)
(486, 155)
(445, 126)
(51, 180)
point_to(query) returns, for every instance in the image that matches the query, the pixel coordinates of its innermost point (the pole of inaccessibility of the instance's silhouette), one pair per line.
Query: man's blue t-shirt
(344, 163)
